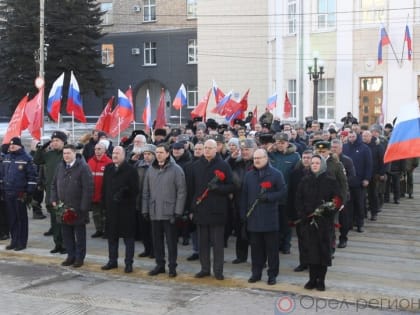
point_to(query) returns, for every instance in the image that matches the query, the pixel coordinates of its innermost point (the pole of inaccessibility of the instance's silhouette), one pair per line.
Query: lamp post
(315, 72)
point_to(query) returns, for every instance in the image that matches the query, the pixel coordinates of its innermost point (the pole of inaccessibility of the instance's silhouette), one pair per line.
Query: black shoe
(62, 251)
(128, 268)
(185, 242)
(271, 281)
(56, 249)
(4, 237)
(152, 256)
(48, 233)
(19, 248)
(396, 202)
(342, 244)
(10, 246)
(144, 254)
(374, 217)
(172, 273)
(78, 263)
(254, 279)
(300, 268)
(310, 285)
(39, 216)
(193, 257)
(286, 251)
(202, 274)
(360, 229)
(68, 262)
(157, 270)
(410, 196)
(97, 234)
(238, 261)
(320, 286)
(219, 277)
(109, 265)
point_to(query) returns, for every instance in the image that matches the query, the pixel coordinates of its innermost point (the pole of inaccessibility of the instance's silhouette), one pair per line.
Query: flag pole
(180, 111)
(58, 121)
(72, 124)
(403, 48)
(119, 130)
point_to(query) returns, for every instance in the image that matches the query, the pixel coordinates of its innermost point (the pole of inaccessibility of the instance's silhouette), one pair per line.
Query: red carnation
(266, 185)
(69, 216)
(220, 175)
(337, 202)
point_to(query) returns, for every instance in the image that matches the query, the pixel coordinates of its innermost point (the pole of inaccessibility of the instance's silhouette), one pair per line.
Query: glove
(117, 197)
(46, 145)
(146, 216)
(212, 186)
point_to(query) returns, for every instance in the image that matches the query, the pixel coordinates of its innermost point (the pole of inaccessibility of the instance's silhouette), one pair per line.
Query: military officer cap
(266, 138)
(219, 138)
(247, 144)
(281, 136)
(175, 132)
(60, 135)
(183, 138)
(319, 145)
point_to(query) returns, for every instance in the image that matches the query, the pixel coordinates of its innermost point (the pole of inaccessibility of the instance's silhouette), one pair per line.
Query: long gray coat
(164, 191)
(74, 187)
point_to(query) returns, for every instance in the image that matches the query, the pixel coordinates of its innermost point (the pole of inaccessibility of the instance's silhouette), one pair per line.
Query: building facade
(149, 45)
(268, 47)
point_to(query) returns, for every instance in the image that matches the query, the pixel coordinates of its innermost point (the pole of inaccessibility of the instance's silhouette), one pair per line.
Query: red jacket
(97, 167)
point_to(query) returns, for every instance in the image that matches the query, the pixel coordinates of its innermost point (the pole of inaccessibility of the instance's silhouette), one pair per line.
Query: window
(107, 53)
(107, 17)
(291, 16)
(191, 9)
(192, 51)
(149, 54)
(291, 93)
(326, 14)
(192, 96)
(372, 11)
(326, 99)
(149, 10)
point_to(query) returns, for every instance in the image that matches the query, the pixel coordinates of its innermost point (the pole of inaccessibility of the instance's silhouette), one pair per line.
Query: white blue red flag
(74, 100)
(122, 115)
(147, 113)
(54, 98)
(218, 93)
(180, 98)
(407, 38)
(383, 41)
(405, 138)
(272, 102)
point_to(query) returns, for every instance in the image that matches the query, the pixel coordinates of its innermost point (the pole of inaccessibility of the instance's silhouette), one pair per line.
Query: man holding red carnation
(263, 188)
(72, 186)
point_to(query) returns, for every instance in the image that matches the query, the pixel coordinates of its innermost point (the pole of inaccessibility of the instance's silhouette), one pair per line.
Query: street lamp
(315, 72)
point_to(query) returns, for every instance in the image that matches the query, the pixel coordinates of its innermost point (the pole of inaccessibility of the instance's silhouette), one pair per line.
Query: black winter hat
(16, 141)
(59, 135)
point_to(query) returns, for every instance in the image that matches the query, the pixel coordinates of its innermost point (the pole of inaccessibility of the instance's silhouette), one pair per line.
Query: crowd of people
(203, 184)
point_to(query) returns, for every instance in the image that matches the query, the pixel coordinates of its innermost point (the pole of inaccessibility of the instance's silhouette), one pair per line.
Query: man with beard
(119, 192)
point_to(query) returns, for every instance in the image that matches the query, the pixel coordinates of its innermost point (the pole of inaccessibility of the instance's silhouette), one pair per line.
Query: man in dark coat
(210, 201)
(263, 188)
(72, 186)
(18, 179)
(119, 192)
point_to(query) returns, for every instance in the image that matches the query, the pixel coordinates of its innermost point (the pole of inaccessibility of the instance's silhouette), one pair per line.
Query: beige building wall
(233, 48)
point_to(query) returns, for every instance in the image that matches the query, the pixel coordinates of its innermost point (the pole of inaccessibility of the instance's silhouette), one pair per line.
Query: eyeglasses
(259, 157)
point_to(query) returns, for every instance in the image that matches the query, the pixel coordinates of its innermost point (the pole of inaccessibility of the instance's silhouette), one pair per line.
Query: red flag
(104, 121)
(18, 122)
(33, 111)
(254, 118)
(201, 109)
(287, 110)
(244, 107)
(160, 113)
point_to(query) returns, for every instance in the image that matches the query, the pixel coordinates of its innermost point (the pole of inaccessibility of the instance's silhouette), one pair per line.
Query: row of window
(370, 11)
(148, 8)
(149, 53)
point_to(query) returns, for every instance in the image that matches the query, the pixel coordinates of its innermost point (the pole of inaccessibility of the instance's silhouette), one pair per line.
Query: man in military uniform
(19, 182)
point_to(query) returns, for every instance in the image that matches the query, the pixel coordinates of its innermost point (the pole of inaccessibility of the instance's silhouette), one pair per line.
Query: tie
(68, 166)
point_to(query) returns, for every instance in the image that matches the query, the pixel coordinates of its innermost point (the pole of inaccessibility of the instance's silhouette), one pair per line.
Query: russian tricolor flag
(54, 98)
(180, 98)
(74, 100)
(147, 113)
(272, 102)
(125, 108)
(407, 38)
(383, 41)
(405, 137)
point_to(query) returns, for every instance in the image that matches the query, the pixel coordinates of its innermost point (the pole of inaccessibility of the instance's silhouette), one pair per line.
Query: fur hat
(59, 135)
(16, 141)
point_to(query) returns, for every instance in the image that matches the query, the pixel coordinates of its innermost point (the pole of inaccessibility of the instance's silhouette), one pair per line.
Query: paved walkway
(381, 265)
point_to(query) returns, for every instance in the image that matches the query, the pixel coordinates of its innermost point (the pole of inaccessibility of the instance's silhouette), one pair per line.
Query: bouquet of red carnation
(64, 214)
(327, 209)
(219, 176)
(264, 187)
